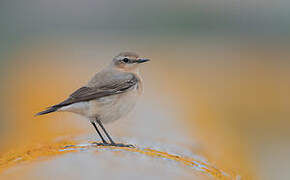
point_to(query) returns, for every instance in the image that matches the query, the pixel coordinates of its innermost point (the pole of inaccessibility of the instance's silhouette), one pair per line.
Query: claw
(114, 144)
(123, 145)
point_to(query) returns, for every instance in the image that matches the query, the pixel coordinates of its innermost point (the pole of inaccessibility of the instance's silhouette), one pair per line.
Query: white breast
(112, 108)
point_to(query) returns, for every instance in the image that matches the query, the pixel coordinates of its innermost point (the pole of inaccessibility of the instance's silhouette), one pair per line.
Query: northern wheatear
(110, 95)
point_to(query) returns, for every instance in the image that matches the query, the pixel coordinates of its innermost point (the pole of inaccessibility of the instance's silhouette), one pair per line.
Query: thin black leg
(107, 134)
(104, 141)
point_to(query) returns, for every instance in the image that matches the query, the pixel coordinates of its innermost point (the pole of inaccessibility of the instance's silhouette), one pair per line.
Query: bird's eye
(125, 60)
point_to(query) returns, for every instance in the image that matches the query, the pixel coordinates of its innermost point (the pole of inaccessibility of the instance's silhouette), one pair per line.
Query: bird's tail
(49, 110)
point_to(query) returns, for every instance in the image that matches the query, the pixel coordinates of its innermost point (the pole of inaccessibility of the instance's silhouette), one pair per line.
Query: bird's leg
(104, 141)
(111, 140)
(107, 134)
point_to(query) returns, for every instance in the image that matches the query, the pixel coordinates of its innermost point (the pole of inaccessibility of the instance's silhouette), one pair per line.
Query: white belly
(107, 109)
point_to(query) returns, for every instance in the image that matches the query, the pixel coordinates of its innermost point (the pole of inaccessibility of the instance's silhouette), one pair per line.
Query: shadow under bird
(110, 95)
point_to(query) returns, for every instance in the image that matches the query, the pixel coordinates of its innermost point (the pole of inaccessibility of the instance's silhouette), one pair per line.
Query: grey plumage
(49, 110)
(115, 83)
(110, 95)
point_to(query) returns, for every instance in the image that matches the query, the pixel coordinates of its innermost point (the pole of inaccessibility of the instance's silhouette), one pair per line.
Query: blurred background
(223, 68)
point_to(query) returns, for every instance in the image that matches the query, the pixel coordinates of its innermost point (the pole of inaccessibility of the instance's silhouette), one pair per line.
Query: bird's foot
(113, 144)
(122, 145)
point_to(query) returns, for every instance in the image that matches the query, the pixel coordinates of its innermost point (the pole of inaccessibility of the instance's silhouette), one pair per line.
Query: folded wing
(112, 87)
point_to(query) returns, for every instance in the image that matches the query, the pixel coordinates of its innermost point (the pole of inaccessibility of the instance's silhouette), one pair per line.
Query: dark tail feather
(49, 110)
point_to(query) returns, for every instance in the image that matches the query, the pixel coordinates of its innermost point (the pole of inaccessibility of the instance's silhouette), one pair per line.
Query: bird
(108, 96)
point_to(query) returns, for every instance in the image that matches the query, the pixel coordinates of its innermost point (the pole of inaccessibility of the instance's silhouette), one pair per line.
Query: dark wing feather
(89, 93)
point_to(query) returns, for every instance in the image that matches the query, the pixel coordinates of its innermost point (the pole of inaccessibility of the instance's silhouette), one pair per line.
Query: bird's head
(127, 61)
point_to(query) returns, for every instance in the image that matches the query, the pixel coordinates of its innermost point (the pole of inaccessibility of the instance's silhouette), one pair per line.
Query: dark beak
(142, 60)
